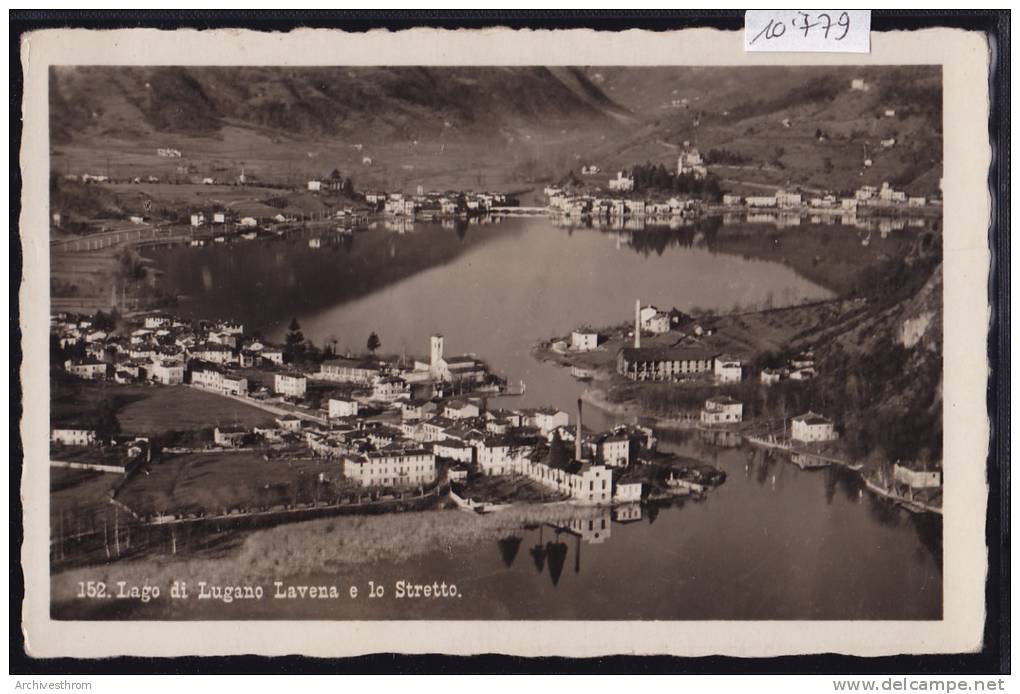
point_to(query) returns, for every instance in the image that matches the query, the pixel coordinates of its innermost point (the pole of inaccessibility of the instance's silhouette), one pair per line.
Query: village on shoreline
(311, 431)
(714, 358)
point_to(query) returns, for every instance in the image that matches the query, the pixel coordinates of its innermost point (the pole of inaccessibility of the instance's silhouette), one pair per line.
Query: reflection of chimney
(577, 436)
(637, 324)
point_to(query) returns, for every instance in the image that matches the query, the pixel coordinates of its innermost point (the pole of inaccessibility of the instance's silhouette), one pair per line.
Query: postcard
(530, 342)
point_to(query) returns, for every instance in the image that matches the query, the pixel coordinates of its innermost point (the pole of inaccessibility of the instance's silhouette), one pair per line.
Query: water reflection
(772, 542)
(508, 548)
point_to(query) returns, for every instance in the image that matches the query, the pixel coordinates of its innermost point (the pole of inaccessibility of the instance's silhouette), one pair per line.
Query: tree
(373, 343)
(107, 424)
(295, 338)
(559, 455)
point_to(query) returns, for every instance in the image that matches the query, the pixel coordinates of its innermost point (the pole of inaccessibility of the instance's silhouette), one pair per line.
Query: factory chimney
(577, 435)
(637, 324)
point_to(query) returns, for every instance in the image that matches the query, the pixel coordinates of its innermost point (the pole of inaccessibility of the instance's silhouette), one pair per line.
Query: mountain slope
(317, 101)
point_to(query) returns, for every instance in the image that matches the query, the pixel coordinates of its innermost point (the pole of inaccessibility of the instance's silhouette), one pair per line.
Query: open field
(178, 408)
(147, 410)
(80, 497)
(214, 483)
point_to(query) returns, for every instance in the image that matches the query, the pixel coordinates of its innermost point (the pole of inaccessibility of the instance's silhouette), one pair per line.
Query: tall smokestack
(577, 436)
(637, 324)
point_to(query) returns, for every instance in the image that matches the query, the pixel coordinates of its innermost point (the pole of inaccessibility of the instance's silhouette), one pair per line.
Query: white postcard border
(964, 57)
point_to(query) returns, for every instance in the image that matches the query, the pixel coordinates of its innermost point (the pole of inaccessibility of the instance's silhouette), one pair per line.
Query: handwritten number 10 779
(822, 21)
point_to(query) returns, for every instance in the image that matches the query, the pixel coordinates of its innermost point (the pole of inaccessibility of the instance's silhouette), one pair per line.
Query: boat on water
(807, 461)
(491, 508)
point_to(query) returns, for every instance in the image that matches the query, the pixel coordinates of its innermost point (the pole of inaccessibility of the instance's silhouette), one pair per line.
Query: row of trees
(297, 348)
(652, 177)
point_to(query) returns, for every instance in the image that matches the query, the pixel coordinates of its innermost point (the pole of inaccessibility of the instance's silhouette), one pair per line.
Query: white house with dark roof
(722, 409)
(342, 407)
(727, 369)
(811, 427)
(584, 340)
(460, 409)
(291, 385)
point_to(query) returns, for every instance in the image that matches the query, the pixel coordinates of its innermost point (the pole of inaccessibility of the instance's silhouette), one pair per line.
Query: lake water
(773, 542)
(491, 289)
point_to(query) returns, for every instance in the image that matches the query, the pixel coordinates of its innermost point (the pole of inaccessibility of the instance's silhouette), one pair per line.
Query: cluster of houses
(564, 202)
(798, 368)
(810, 427)
(78, 446)
(585, 205)
(161, 348)
(209, 355)
(402, 451)
(433, 205)
(466, 436)
(688, 359)
(864, 196)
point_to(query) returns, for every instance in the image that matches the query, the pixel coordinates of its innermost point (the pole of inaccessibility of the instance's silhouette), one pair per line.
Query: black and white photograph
(499, 343)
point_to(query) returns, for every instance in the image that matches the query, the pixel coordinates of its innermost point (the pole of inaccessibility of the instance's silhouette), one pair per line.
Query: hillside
(501, 127)
(792, 125)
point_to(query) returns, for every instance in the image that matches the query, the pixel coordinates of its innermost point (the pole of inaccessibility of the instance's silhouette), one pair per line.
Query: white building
(812, 427)
(167, 373)
(454, 450)
(342, 408)
(546, 419)
(496, 457)
(91, 370)
(727, 369)
(584, 341)
(628, 491)
(219, 382)
(290, 385)
(918, 479)
(197, 219)
(392, 468)
(390, 388)
(613, 450)
(155, 321)
(582, 481)
(761, 201)
(722, 409)
(788, 199)
(621, 183)
(213, 353)
(348, 371)
(229, 436)
(74, 437)
(460, 409)
(691, 163)
(315, 186)
(272, 354)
